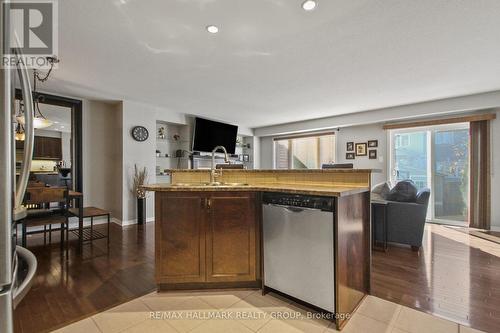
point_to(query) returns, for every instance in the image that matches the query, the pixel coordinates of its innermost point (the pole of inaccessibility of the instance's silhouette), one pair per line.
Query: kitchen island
(212, 236)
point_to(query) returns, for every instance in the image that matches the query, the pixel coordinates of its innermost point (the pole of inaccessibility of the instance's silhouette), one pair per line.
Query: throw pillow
(380, 191)
(404, 191)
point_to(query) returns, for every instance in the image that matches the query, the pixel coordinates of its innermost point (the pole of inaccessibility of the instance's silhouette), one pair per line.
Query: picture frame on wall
(350, 146)
(372, 143)
(372, 154)
(350, 156)
(361, 149)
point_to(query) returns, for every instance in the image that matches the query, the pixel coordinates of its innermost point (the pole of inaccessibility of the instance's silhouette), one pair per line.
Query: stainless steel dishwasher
(298, 232)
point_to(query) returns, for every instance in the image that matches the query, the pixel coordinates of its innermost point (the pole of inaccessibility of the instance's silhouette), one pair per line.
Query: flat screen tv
(208, 134)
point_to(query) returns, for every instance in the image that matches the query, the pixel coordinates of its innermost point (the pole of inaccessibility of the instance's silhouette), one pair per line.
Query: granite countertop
(334, 191)
(279, 171)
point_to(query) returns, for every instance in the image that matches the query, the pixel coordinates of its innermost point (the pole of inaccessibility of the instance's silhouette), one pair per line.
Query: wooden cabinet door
(47, 148)
(56, 148)
(38, 151)
(180, 237)
(52, 148)
(231, 237)
(19, 145)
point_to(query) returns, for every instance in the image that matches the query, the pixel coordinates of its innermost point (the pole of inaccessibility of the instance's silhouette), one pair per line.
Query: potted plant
(140, 178)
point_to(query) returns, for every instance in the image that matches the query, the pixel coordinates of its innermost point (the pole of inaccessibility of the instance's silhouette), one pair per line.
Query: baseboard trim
(130, 222)
(116, 221)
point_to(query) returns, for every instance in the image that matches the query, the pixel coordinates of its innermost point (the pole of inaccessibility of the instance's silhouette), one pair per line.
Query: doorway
(436, 157)
(71, 151)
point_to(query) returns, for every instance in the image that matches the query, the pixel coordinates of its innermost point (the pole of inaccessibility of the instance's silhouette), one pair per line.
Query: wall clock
(140, 133)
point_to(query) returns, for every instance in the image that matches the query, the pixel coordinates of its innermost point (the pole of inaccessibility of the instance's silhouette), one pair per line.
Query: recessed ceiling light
(309, 5)
(212, 29)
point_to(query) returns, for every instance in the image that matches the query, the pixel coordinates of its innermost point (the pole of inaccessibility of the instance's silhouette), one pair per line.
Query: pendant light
(20, 135)
(39, 121)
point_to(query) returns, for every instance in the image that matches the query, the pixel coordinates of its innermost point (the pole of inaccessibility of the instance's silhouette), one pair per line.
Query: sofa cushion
(380, 191)
(404, 191)
(423, 196)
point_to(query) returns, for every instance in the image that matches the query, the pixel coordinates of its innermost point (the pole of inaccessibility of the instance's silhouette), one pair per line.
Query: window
(304, 152)
(402, 140)
(436, 157)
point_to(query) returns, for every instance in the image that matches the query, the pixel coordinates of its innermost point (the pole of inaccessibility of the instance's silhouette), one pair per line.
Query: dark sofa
(405, 220)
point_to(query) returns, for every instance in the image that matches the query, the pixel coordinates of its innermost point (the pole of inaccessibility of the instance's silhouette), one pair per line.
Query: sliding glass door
(436, 157)
(411, 157)
(451, 174)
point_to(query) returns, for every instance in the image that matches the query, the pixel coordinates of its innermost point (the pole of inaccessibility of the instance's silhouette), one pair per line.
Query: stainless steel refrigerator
(17, 264)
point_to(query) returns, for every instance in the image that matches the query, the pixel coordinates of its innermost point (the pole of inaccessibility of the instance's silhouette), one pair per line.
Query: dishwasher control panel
(298, 200)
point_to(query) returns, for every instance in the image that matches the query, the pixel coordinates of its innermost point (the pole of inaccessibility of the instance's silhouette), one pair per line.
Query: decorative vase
(141, 211)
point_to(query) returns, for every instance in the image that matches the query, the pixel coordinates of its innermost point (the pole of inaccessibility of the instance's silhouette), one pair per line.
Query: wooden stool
(88, 234)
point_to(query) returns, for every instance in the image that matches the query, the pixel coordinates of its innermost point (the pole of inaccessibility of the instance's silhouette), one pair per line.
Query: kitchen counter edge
(333, 191)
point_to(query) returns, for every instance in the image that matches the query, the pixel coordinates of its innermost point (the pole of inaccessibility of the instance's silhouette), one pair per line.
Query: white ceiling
(60, 117)
(272, 62)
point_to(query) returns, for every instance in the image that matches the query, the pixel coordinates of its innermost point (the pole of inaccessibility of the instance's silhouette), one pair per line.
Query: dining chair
(43, 212)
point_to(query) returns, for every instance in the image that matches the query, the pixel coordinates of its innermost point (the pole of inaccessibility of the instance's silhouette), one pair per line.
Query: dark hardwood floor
(67, 291)
(455, 276)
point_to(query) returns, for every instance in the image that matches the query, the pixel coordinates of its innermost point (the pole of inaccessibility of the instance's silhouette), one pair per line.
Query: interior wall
(256, 152)
(359, 134)
(101, 156)
(137, 153)
(141, 153)
(66, 147)
(266, 153)
(110, 152)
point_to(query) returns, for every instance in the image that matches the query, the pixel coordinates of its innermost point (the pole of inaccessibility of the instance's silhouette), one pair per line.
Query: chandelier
(39, 121)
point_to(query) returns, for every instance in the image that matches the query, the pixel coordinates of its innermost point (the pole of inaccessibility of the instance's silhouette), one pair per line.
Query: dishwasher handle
(294, 209)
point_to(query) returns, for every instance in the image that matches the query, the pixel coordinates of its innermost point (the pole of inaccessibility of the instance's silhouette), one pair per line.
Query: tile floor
(249, 311)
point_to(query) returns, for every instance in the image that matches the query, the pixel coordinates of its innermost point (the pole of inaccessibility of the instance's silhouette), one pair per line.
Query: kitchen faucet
(214, 174)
